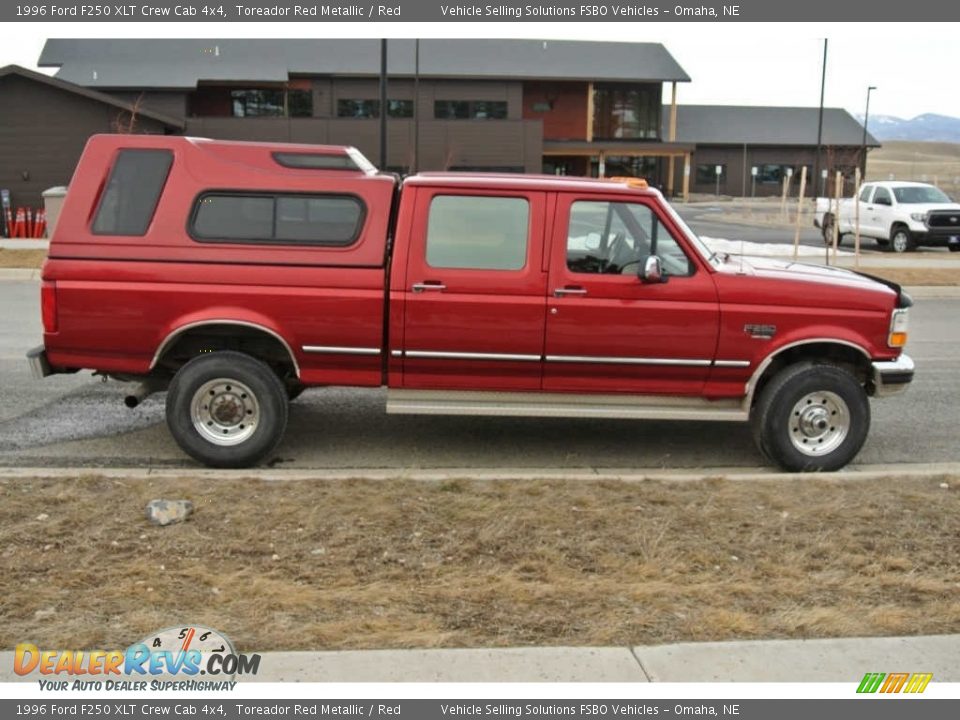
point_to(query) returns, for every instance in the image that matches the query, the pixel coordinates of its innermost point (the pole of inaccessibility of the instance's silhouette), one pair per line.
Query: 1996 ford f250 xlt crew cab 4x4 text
(236, 274)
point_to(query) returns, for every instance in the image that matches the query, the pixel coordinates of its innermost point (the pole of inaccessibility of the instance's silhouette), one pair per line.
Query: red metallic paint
(119, 298)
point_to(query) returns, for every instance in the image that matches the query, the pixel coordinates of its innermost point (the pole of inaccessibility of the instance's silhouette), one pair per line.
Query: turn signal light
(899, 321)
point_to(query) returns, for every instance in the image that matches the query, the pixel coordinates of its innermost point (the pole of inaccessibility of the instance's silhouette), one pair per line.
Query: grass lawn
(397, 564)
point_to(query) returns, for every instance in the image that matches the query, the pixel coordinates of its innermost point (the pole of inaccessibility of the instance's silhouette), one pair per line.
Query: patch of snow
(743, 247)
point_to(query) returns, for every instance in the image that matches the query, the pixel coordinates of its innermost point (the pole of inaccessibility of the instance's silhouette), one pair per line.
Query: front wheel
(227, 409)
(811, 417)
(901, 241)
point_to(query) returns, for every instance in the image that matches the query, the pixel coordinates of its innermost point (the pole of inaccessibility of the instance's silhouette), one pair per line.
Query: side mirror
(651, 271)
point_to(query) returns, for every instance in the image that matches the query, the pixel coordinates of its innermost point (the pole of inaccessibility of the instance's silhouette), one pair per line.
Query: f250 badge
(763, 332)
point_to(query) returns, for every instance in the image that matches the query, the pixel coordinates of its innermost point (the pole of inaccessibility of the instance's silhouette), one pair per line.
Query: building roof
(740, 125)
(182, 63)
(69, 87)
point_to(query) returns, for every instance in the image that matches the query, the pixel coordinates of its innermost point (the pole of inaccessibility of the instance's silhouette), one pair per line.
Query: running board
(526, 404)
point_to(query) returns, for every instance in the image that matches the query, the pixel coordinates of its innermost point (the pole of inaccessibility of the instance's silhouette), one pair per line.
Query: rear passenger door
(474, 295)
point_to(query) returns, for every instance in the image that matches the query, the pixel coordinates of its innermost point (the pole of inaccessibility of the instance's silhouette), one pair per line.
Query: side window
(614, 238)
(132, 192)
(882, 197)
(277, 219)
(478, 232)
(865, 193)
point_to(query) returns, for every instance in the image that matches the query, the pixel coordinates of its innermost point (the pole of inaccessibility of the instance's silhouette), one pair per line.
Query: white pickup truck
(899, 215)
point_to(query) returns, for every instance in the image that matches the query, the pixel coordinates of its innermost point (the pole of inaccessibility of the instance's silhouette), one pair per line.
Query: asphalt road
(79, 421)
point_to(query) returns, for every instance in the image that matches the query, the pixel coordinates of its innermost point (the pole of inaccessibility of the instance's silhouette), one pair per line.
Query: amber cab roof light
(633, 182)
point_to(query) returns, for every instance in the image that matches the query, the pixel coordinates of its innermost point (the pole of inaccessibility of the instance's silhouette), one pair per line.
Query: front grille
(944, 219)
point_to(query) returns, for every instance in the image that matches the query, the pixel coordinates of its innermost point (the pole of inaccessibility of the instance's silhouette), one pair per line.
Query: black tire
(241, 389)
(901, 240)
(804, 406)
(826, 230)
(954, 248)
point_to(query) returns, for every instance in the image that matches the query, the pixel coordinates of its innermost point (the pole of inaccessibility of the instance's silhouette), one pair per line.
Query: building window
(267, 218)
(470, 110)
(707, 174)
(132, 192)
(271, 103)
(257, 103)
(478, 233)
(626, 112)
(370, 109)
(300, 103)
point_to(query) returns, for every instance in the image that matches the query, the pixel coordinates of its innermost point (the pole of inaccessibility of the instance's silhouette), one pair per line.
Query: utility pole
(823, 85)
(383, 105)
(866, 119)
(416, 106)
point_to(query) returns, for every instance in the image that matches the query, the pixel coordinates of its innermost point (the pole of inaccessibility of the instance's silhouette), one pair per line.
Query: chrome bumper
(892, 376)
(39, 365)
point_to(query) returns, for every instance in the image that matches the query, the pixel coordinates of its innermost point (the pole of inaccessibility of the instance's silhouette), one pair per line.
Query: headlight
(919, 217)
(899, 321)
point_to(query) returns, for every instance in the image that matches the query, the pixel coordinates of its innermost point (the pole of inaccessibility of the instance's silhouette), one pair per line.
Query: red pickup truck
(234, 275)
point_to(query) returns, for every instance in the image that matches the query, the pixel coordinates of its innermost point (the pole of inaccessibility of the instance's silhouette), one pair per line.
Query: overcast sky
(913, 66)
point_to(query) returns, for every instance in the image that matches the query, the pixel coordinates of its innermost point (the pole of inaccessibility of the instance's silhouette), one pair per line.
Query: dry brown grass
(22, 258)
(917, 276)
(921, 161)
(466, 564)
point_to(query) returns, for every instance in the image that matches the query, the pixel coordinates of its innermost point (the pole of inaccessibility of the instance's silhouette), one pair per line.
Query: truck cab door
(475, 291)
(609, 331)
(867, 211)
(881, 217)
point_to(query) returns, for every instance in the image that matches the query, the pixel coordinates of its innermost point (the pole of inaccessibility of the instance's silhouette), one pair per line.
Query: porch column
(672, 136)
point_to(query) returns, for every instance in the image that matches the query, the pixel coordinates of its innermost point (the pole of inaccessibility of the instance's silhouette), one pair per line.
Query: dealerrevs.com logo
(171, 659)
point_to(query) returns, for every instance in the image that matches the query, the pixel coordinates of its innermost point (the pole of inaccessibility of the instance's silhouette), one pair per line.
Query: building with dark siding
(46, 123)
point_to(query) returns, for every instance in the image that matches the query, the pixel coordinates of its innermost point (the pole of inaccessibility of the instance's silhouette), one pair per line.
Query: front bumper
(892, 376)
(39, 365)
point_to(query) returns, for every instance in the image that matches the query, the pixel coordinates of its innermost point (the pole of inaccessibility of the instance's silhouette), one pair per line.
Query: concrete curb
(828, 660)
(19, 274)
(905, 472)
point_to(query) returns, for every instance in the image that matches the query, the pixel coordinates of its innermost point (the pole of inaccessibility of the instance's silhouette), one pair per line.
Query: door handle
(420, 287)
(561, 292)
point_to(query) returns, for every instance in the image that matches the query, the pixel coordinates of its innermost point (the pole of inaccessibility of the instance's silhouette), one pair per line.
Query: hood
(813, 283)
(927, 207)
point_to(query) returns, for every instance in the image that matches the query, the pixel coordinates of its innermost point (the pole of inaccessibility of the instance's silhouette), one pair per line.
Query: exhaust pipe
(140, 392)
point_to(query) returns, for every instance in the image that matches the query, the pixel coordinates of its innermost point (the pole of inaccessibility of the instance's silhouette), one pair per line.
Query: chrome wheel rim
(819, 423)
(899, 242)
(225, 412)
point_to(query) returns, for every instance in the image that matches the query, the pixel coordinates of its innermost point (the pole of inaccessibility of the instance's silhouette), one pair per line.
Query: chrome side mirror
(652, 270)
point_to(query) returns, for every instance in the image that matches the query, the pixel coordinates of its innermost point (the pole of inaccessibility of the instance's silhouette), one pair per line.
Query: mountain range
(928, 127)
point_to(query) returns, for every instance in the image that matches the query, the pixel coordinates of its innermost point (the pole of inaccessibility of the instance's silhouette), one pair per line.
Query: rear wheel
(227, 409)
(811, 417)
(827, 229)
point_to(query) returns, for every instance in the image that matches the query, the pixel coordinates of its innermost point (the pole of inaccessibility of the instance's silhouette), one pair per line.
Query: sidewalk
(843, 660)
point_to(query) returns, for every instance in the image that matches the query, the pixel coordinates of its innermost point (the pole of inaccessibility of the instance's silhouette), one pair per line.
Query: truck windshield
(913, 195)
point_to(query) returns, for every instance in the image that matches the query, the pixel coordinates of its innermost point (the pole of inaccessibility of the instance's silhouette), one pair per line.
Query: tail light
(48, 305)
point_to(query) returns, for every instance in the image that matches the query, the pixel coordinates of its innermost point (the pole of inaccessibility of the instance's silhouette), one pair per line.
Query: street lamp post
(866, 119)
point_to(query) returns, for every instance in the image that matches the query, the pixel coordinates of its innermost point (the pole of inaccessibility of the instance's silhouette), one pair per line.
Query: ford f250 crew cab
(899, 215)
(234, 275)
